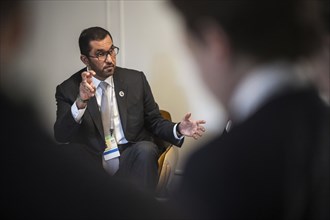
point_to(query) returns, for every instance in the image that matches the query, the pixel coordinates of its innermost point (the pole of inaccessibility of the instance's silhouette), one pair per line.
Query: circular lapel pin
(121, 94)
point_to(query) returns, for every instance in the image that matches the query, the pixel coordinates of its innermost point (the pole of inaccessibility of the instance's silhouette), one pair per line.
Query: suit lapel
(121, 97)
(92, 108)
(95, 114)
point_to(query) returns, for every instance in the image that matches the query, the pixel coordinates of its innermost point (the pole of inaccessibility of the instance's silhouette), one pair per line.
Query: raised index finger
(85, 75)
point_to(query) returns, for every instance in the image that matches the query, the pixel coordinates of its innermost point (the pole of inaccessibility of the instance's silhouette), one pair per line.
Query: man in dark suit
(41, 179)
(273, 163)
(135, 116)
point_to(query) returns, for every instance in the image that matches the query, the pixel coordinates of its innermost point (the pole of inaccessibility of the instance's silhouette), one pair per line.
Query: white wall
(150, 38)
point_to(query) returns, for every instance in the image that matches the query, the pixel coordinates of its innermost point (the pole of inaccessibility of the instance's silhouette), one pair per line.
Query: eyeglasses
(103, 55)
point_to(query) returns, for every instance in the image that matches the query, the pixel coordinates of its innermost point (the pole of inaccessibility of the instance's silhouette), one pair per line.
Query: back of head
(267, 30)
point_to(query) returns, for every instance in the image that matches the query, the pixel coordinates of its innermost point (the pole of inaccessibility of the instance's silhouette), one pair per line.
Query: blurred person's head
(229, 38)
(11, 30)
(98, 52)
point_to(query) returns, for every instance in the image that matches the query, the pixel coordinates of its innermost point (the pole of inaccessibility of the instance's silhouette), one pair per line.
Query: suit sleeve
(65, 126)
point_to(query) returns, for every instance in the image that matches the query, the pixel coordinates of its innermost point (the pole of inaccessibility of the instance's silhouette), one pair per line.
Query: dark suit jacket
(274, 165)
(139, 113)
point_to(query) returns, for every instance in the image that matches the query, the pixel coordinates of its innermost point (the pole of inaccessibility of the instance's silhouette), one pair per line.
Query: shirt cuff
(77, 113)
(175, 134)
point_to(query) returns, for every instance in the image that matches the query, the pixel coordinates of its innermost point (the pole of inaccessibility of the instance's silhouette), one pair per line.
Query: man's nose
(109, 58)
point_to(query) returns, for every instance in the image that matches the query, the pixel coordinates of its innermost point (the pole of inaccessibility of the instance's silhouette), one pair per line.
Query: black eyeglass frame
(112, 52)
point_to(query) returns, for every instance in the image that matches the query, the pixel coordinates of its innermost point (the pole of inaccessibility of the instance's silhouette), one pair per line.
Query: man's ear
(84, 59)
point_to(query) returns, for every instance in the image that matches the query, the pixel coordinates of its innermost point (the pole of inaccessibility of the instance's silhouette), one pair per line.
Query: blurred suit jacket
(274, 165)
(43, 180)
(139, 113)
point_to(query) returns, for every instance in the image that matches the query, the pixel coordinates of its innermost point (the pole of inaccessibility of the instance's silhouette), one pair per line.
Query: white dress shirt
(118, 129)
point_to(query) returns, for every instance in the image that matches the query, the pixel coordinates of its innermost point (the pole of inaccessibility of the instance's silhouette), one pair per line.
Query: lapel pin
(121, 94)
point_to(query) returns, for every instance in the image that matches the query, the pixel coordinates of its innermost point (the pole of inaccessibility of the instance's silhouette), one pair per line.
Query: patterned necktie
(112, 165)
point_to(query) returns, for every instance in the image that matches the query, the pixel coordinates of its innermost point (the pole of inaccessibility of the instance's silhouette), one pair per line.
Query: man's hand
(86, 89)
(191, 128)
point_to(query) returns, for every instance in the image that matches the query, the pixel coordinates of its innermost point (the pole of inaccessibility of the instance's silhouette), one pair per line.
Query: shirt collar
(259, 86)
(109, 80)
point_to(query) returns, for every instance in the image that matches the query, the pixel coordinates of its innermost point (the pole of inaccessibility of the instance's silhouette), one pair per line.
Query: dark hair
(90, 34)
(264, 29)
(8, 6)
(325, 13)
(7, 9)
